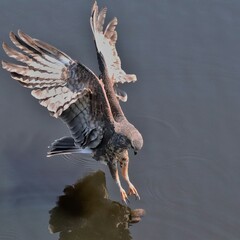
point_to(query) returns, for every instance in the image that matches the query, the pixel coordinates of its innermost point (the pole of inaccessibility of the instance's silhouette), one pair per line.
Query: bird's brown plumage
(88, 104)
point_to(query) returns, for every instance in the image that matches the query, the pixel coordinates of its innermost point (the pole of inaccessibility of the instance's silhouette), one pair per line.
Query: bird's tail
(66, 145)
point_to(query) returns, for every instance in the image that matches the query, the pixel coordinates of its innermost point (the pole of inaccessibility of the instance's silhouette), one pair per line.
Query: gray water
(186, 104)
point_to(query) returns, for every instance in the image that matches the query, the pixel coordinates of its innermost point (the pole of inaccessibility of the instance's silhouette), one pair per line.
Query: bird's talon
(124, 197)
(133, 191)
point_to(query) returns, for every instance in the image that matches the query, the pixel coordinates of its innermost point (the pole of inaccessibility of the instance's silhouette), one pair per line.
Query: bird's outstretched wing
(68, 89)
(105, 41)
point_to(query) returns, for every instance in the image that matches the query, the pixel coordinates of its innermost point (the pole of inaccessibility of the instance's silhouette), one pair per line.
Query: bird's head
(136, 141)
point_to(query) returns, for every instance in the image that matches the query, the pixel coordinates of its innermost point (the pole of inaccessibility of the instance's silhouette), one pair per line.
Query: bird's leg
(132, 190)
(114, 172)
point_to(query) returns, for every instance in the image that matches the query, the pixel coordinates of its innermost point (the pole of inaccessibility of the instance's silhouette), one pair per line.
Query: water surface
(186, 103)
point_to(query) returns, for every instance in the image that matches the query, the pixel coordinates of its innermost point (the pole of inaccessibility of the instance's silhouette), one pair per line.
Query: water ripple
(81, 161)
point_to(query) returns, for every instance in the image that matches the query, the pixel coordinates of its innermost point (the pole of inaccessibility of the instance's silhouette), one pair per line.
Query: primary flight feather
(88, 104)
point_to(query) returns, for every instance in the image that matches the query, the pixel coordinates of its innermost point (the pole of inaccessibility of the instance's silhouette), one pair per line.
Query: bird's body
(88, 104)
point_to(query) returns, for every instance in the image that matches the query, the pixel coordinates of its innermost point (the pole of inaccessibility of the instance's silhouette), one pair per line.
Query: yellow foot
(133, 191)
(124, 196)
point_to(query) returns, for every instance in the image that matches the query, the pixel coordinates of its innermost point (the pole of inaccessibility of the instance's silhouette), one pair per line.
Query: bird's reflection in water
(86, 212)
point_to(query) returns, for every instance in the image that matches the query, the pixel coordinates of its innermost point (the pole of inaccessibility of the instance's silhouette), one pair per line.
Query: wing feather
(106, 44)
(68, 89)
(30, 61)
(32, 52)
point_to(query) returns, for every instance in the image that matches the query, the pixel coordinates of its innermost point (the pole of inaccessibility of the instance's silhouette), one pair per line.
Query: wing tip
(7, 49)
(4, 46)
(12, 37)
(115, 19)
(11, 34)
(129, 78)
(20, 32)
(94, 8)
(4, 64)
(24, 37)
(132, 77)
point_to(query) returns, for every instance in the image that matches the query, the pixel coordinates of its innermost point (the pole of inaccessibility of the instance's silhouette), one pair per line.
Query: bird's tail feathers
(66, 145)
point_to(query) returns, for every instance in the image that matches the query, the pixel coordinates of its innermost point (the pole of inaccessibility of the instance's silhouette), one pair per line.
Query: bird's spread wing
(105, 41)
(65, 87)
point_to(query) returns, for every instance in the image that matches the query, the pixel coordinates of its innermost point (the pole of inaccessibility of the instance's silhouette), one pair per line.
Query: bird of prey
(88, 104)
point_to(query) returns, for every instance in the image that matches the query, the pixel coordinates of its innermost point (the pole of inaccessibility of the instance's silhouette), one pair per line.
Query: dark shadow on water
(86, 212)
